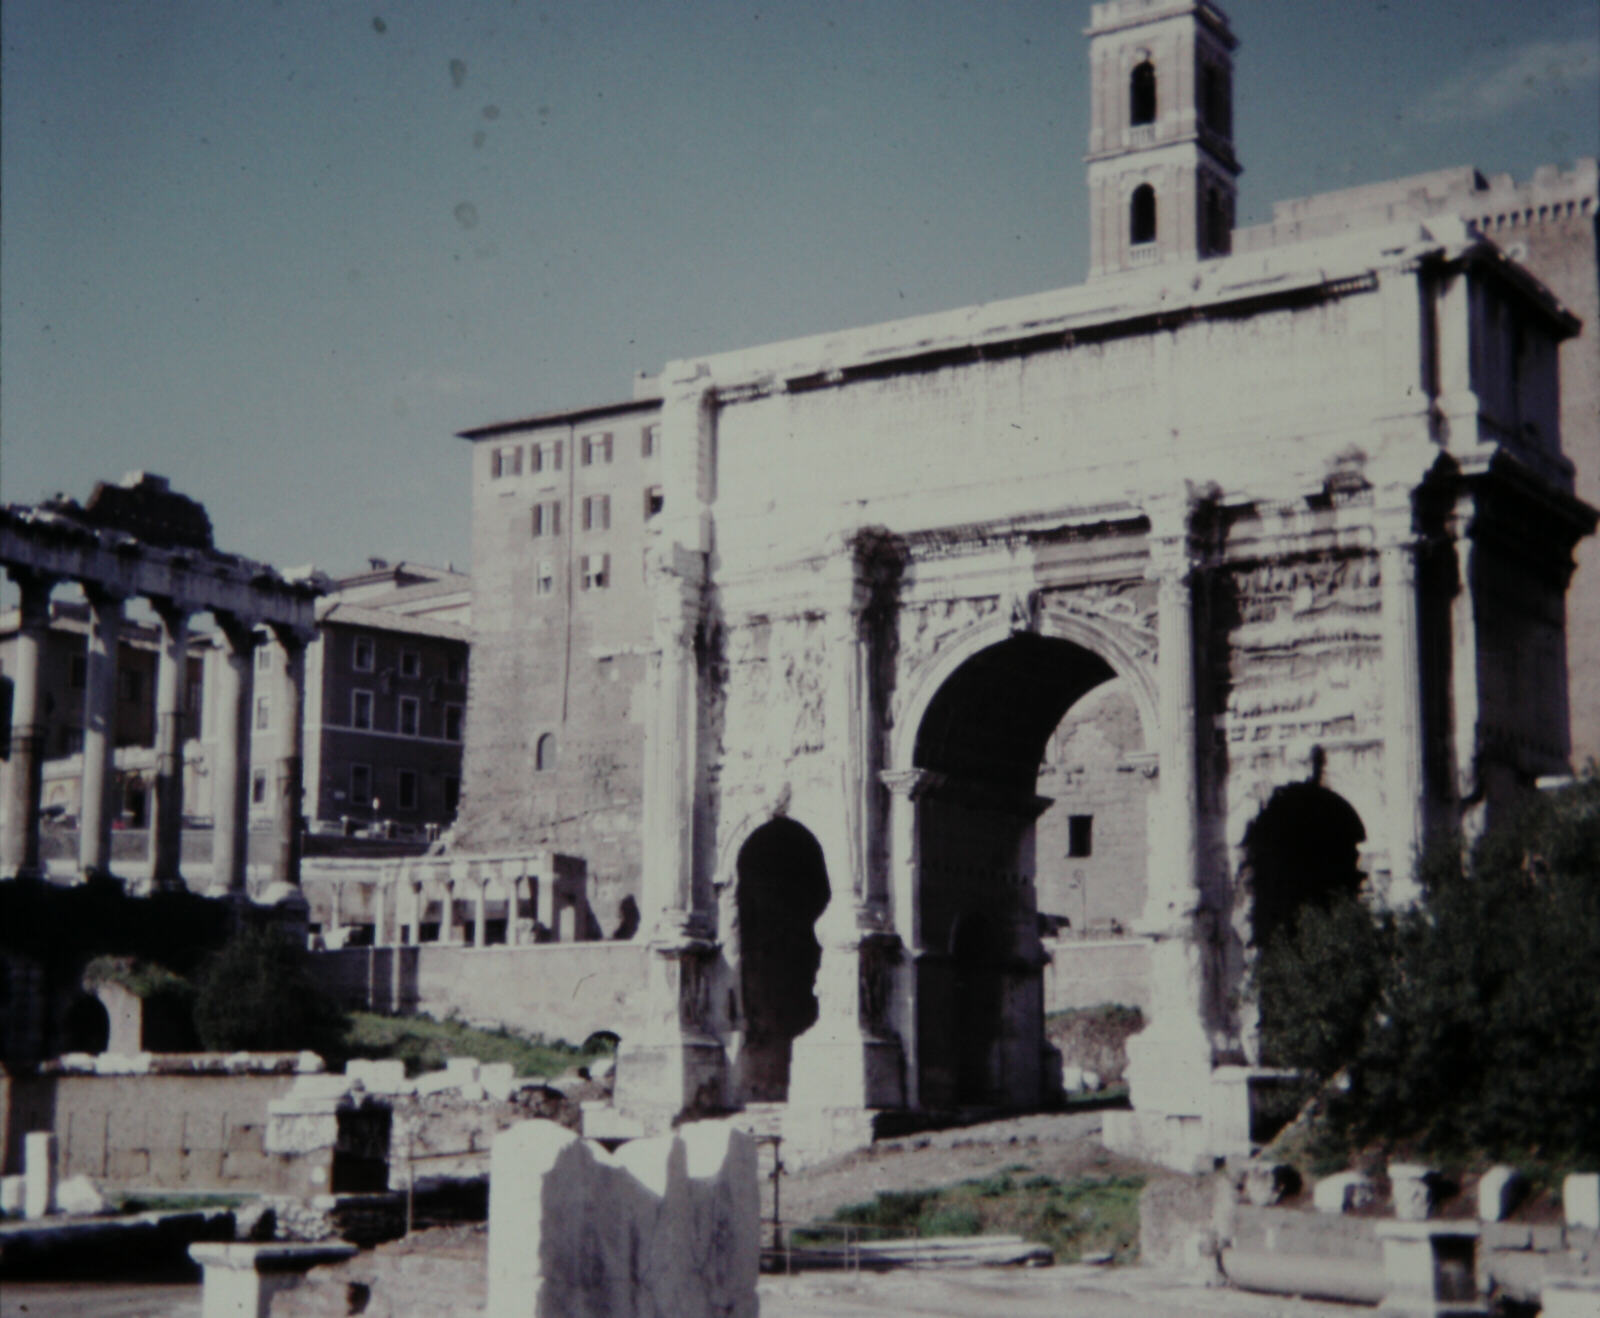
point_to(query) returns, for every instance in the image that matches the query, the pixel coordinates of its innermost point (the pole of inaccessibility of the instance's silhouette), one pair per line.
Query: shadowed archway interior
(1301, 850)
(782, 889)
(980, 991)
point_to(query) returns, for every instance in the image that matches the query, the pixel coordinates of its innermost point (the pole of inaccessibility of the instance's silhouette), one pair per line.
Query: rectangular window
(547, 518)
(361, 785)
(263, 713)
(361, 709)
(506, 462)
(455, 669)
(597, 512)
(545, 456)
(129, 684)
(452, 793)
(78, 672)
(410, 663)
(547, 577)
(258, 787)
(263, 658)
(596, 571)
(452, 722)
(1080, 835)
(72, 740)
(654, 502)
(408, 789)
(361, 654)
(597, 449)
(649, 441)
(410, 716)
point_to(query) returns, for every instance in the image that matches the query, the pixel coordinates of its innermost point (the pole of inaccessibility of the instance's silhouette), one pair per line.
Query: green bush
(1468, 1026)
(258, 993)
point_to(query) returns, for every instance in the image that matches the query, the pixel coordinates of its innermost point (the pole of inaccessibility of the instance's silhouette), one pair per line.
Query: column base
(661, 1080)
(814, 1133)
(855, 1072)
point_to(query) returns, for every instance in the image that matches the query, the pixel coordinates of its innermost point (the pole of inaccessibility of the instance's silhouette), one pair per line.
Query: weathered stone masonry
(1276, 577)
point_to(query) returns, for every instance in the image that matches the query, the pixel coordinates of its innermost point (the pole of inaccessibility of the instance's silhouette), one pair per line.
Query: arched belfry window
(1142, 215)
(1142, 95)
(544, 753)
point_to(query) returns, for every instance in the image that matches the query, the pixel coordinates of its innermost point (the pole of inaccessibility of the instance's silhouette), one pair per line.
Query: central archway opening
(782, 887)
(980, 1008)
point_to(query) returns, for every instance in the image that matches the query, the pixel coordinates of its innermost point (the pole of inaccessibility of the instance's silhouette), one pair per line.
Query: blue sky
(281, 250)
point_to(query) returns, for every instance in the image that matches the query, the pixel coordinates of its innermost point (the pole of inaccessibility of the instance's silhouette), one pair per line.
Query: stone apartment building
(385, 705)
(563, 509)
(1257, 587)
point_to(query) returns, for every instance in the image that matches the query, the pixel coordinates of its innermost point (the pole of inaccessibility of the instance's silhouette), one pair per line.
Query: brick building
(385, 705)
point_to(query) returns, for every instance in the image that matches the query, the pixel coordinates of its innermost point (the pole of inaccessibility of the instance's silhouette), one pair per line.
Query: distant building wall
(560, 990)
(1095, 972)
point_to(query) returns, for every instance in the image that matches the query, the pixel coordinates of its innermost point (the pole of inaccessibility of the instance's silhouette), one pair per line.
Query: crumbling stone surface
(1499, 1189)
(1344, 1192)
(665, 1226)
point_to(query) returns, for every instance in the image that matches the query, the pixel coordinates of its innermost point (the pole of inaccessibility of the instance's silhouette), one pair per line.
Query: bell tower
(1162, 173)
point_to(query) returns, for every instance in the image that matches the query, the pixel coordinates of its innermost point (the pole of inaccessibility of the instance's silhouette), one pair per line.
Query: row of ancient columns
(238, 638)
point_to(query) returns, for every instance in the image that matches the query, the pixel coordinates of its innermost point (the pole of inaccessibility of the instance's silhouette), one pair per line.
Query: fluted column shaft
(289, 698)
(231, 779)
(1404, 787)
(166, 833)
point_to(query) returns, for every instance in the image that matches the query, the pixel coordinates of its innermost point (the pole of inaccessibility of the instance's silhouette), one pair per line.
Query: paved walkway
(1065, 1292)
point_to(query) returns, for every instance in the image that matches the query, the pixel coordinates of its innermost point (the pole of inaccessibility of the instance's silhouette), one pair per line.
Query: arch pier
(133, 540)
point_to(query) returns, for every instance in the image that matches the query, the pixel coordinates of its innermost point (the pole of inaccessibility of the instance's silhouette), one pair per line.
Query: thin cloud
(1529, 74)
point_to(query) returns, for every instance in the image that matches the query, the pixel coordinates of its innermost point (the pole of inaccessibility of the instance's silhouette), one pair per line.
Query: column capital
(1175, 543)
(170, 611)
(911, 784)
(101, 596)
(291, 637)
(236, 632)
(34, 598)
(677, 589)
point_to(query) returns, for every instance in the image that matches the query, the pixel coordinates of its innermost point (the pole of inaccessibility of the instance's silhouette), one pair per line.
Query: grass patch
(1084, 1215)
(424, 1044)
(157, 1202)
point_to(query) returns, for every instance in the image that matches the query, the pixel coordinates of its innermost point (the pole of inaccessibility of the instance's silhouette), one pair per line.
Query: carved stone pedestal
(676, 1066)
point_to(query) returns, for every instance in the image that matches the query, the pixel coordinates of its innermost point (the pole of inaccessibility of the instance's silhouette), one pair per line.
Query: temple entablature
(140, 539)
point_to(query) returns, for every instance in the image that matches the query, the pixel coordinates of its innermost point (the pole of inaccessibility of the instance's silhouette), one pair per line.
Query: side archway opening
(781, 889)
